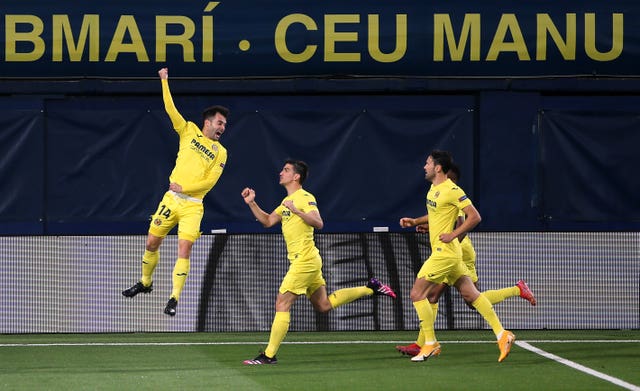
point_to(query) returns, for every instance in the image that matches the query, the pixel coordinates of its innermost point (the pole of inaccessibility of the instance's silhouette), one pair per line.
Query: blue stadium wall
(537, 102)
(531, 162)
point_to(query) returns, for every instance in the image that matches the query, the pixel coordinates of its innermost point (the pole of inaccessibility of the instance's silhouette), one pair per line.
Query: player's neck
(293, 187)
(439, 178)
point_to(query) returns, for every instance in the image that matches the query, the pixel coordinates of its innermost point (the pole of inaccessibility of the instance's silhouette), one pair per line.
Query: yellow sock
(279, 329)
(483, 306)
(149, 262)
(347, 295)
(498, 295)
(425, 314)
(180, 273)
(420, 340)
(434, 309)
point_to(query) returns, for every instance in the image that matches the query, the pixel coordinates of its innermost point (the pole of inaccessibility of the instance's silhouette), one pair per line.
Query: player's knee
(153, 243)
(184, 248)
(433, 296)
(323, 307)
(416, 295)
(469, 296)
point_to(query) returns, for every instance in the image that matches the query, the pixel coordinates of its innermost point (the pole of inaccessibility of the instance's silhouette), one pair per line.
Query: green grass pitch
(316, 361)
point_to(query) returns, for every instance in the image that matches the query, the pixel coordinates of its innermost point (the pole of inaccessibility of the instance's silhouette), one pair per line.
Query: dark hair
(213, 110)
(454, 173)
(442, 158)
(299, 167)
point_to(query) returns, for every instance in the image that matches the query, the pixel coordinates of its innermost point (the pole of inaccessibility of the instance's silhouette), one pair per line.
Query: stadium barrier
(73, 284)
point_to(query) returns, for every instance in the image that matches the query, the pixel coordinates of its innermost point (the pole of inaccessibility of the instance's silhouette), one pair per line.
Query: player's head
(214, 121)
(437, 158)
(442, 159)
(299, 167)
(454, 173)
(211, 112)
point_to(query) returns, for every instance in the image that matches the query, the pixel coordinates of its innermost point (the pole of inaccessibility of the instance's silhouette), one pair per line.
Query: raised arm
(267, 220)
(177, 120)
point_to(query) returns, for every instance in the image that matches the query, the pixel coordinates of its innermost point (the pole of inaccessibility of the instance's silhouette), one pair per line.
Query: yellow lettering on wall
(207, 38)
(280, 38)
(127, 23)
(508, 22)
(89, 32)
(567, 46)
(331, 36)
(442, 29)
(374, 39)
(163, 39)
(207, 32)
(617, 38)
(12, 37)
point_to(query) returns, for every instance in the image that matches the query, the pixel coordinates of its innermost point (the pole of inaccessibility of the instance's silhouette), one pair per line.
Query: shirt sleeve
(461, 200)
(308, 203)
(177, 120)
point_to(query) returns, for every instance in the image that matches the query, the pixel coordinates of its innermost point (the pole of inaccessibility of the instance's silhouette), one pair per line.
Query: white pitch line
(579, 367)
(285, 342)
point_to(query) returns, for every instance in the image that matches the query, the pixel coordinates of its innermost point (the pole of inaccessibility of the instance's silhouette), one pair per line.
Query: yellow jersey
(200, 160)
(444, 202)
(468, 252)
(298, 235)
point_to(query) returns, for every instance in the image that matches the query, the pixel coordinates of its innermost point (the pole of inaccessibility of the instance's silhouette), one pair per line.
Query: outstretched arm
(407, 222)
(267, 220)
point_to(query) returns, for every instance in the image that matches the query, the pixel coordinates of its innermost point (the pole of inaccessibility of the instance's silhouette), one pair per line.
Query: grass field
(597, 360)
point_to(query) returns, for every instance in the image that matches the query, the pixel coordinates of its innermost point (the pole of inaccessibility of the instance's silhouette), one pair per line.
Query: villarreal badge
(157, 222)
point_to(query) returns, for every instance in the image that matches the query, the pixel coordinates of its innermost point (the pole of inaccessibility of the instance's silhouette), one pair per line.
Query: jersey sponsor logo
(196, 145)
(432, 203)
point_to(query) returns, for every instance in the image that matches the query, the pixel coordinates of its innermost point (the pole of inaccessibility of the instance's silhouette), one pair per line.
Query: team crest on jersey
(157, 222)
(437, 194)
